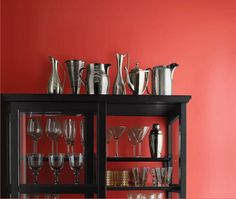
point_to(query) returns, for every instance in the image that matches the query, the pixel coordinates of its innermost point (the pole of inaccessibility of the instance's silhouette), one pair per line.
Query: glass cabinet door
(53, 149)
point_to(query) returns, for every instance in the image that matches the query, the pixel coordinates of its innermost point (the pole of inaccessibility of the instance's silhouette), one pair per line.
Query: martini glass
(117, 131)
(70, 130)
(76, 163)
(108, 139)
(34, 129)
(133, 140)
(35, 162)
(56, 163)
(139, 133)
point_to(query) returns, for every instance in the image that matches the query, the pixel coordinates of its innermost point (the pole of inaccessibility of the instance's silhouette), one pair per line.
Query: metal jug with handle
(162, 77)
(73, 68)
(97, 80)
(54, 83)
(137, 79)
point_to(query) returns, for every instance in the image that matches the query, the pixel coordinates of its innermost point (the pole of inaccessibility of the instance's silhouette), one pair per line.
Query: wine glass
(34, 129)
(82, 133)
(76, 163)
(35, 162)
(70, 130)
(56, 163)
(132, 139)
(117, 131)
(139, 133)
(108, 139)
(54, 131)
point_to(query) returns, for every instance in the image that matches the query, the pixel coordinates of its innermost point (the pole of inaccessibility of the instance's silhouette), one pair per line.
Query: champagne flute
(70, 130)
(108, 139)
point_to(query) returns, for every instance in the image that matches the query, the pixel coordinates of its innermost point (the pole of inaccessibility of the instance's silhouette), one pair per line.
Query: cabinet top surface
(96, 98)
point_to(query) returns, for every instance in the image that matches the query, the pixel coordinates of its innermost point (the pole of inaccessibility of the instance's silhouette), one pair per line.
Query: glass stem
(139, 149)
(72, 149)
(68, 149)
(52, 147)
(56, 174)
(35, 146)
(35, 173)
(117, 144)
(56, 147)
(134, 150)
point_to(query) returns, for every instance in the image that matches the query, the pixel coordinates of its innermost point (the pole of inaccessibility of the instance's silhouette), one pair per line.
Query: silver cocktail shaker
(156, 141)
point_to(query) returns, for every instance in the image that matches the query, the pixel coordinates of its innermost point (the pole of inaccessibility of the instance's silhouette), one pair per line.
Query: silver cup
(76, 163)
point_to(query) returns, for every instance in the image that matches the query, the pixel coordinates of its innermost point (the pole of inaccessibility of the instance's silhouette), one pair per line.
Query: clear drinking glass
(70, 130)
(76, 163)
(56, 163)
(139, 133)
(82, 133)
(117, 131)
(35, 163)
(108, 139)
(34, 129)
(133, 140)
(54, 131)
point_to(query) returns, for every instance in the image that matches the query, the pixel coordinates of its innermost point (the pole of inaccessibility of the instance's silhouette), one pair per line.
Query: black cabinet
(95, 109)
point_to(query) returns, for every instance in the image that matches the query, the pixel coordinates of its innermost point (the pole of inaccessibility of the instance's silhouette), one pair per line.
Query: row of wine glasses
(56, 163)
(54, 130)
(135, 135)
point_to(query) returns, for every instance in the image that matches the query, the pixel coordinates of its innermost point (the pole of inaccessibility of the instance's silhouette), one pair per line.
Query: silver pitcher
(54, 83)
(162, 77)
(97, 80)
(119, 84)
(73, 68)
(137, 79)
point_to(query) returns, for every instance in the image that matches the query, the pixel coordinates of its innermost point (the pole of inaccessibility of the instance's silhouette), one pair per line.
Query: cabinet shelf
(56, 188)
(170, 188)
(141, 159)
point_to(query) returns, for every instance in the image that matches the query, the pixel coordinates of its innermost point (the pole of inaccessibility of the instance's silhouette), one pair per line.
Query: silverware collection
(97, 77)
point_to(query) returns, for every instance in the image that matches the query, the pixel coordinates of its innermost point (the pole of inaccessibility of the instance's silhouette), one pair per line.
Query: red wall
(199, 35)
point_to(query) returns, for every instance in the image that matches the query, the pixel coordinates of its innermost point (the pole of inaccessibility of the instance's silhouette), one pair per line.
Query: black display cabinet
(95, 109)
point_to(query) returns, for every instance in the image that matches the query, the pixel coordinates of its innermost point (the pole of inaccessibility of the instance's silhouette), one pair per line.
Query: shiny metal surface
(54, 84)
(74, 70)
(119, 84)
(97, 80)
(156, 140)
(162, 77)
(137, 79)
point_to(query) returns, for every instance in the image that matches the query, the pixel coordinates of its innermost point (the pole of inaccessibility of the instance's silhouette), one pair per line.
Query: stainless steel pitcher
(73, 68)
(162, 77)
(137, 79)
(97, 80)
(119, 84)
(54, 83)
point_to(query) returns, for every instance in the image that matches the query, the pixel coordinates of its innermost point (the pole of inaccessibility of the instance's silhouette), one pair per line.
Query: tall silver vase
(119, 84)
(54, 84)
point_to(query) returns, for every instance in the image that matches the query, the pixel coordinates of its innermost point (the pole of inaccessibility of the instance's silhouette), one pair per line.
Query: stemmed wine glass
(139, 133)
(54, 131)
(76, 163)
(56, 163)
(35, 162)
(133, 140)
(70, 130)
(34, 129)
(108, 139)
(117, 131)
(82, 133)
